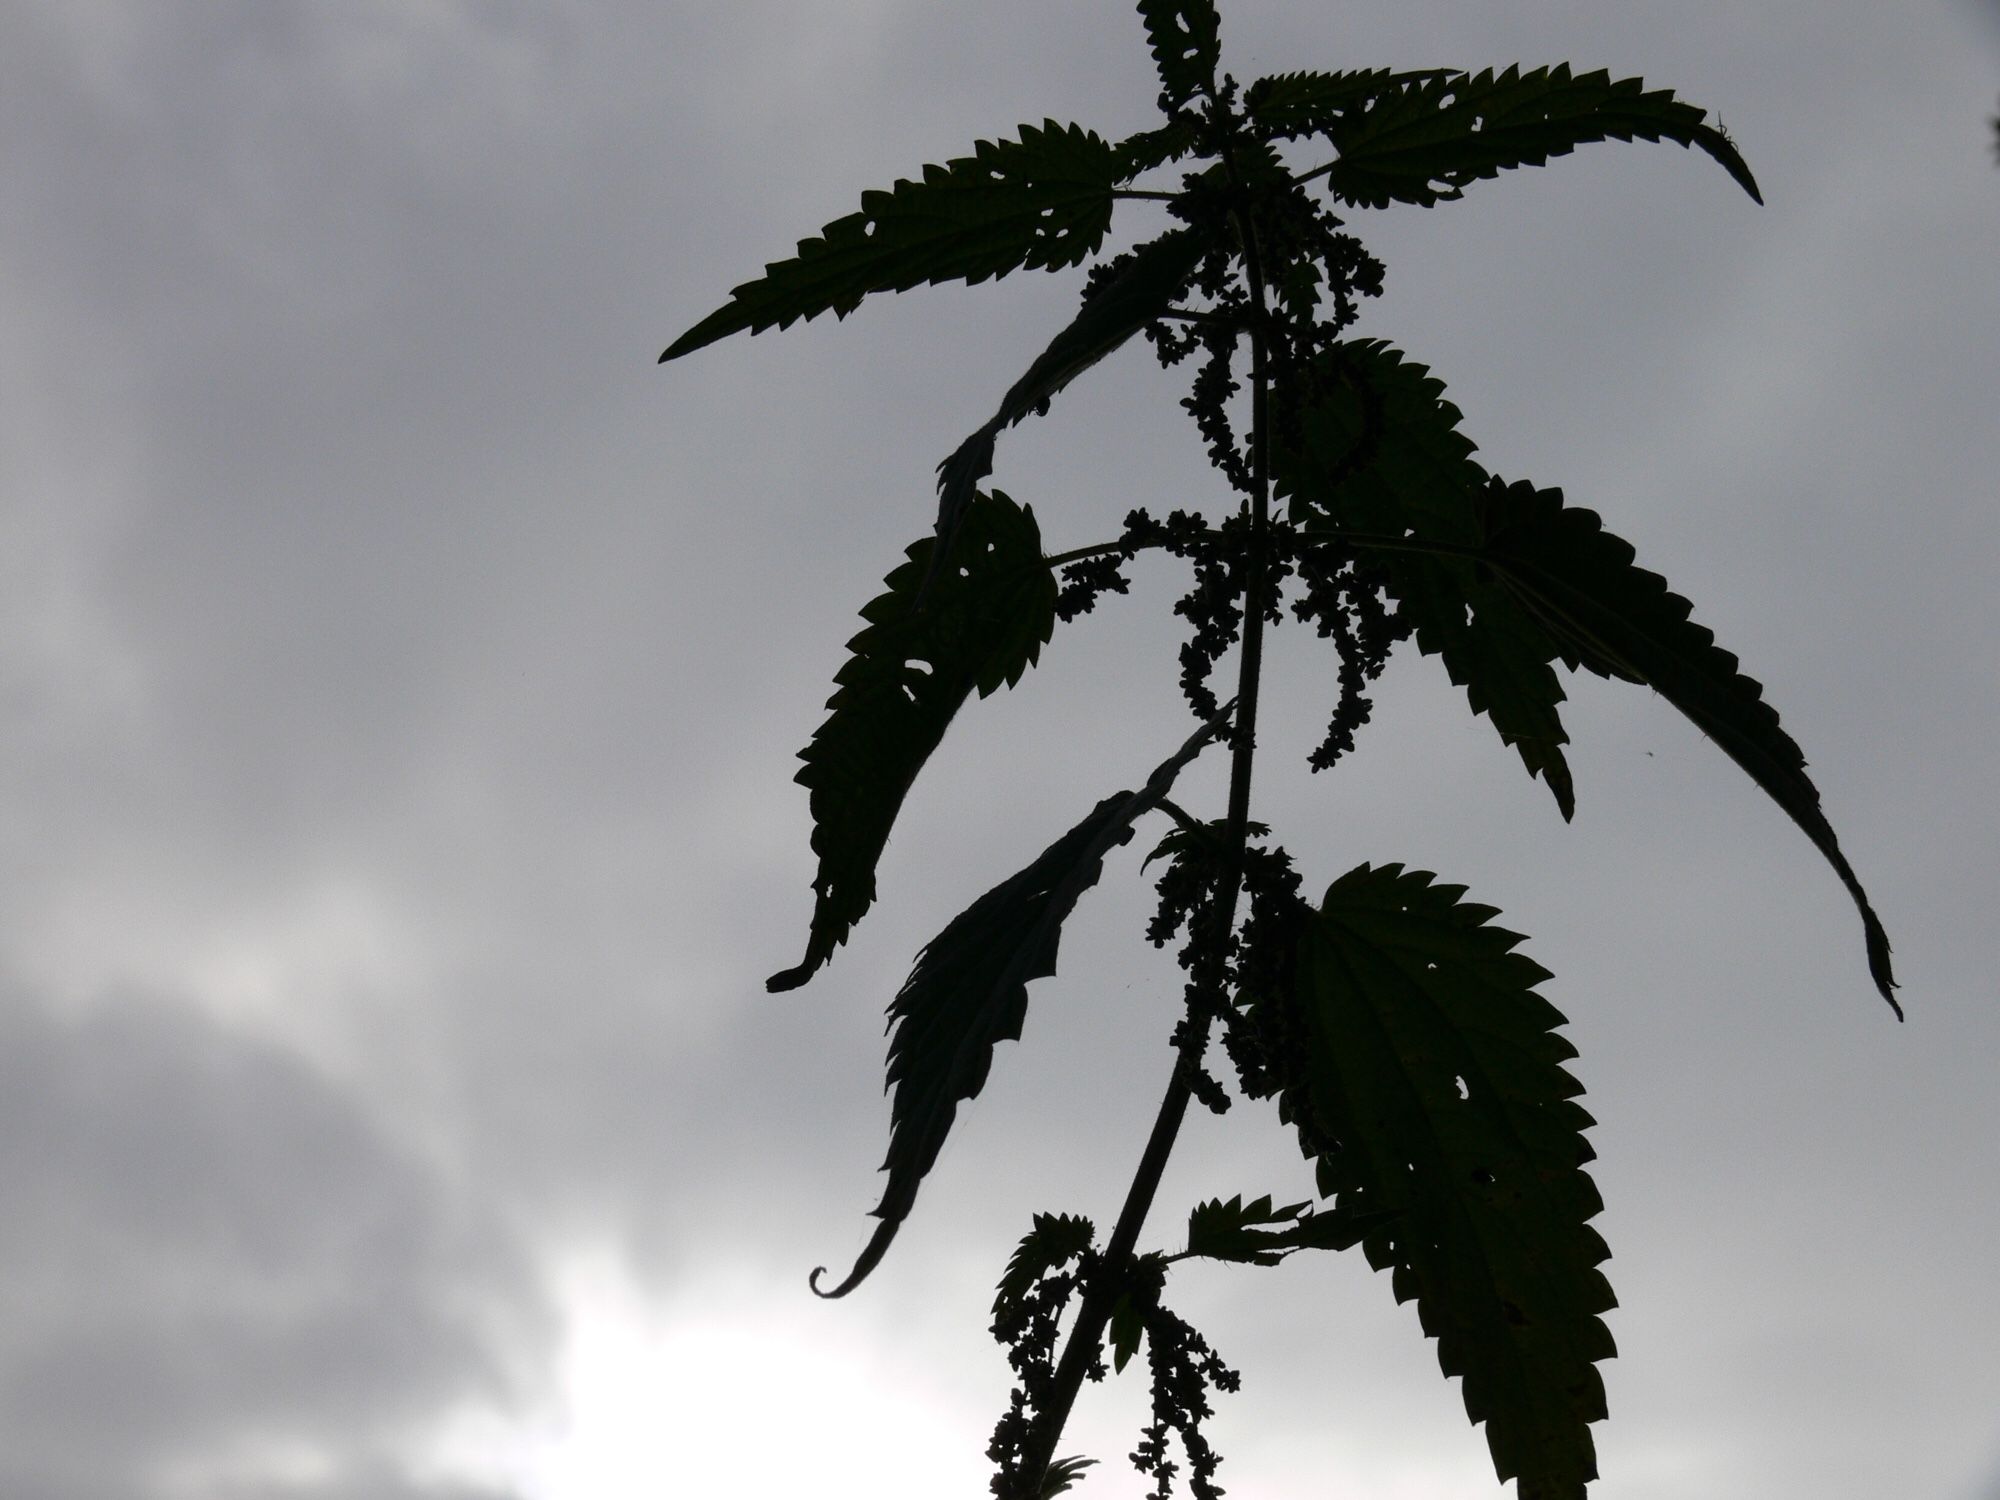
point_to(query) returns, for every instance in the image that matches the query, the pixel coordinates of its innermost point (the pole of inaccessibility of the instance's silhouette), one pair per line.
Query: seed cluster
(1346, 599)
(1184, 1368)
(1028, 1321)
(1228, 971)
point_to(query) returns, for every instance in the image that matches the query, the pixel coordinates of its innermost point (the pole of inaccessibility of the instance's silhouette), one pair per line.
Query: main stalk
(1086, 1336)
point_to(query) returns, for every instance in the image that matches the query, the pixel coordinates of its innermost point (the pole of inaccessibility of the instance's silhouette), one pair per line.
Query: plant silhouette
(1390, 1021)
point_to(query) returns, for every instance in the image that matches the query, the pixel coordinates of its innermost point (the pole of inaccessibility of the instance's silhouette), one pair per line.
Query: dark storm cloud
(208, 1255)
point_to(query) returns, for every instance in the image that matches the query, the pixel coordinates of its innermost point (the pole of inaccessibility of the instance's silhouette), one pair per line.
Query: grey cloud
(208, 1249)
(364, 1482)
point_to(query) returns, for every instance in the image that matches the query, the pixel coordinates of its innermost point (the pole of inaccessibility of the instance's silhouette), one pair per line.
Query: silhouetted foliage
(1390, 1024)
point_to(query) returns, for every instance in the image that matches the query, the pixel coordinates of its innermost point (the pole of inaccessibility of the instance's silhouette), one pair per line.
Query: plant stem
(1106, 549)
(1087, 1335)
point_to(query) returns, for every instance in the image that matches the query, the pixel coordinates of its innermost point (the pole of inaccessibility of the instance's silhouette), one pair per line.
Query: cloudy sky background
(401, 677)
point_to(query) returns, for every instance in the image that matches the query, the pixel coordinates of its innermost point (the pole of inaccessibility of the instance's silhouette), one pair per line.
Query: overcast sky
(401, 675)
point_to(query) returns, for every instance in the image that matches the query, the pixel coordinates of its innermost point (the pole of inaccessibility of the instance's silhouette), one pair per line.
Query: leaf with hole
(982, 626)
(1285, 106)
(1186, 41)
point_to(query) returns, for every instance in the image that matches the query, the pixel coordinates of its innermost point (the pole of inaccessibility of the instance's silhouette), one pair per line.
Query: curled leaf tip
(788, 979)
(818, 951)
(870, 1257)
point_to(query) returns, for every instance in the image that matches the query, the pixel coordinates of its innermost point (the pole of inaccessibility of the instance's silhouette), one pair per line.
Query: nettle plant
(1393, 1025)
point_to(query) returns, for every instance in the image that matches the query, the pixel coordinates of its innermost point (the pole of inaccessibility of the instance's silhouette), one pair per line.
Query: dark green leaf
(1429, 139)
(1288, 105)
(969, 992)
(1201, 843)
(1379, 453)
(1185, 36)
(1125, 1327)
(1426, 1082)
(1336, 1230)
(1042, 202)
(1155, 148)
(1145, 286)
(1055, 1241)
(1239, 1231)
(1492, 649)
(1606, 613)
(1234, 1231)
(983, 625)
(1379, 449)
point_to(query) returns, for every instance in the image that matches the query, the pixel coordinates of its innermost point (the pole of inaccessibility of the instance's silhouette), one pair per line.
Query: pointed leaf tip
(1429, 141)
(1042, 201)
(1878, 961)
(1584, 587)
